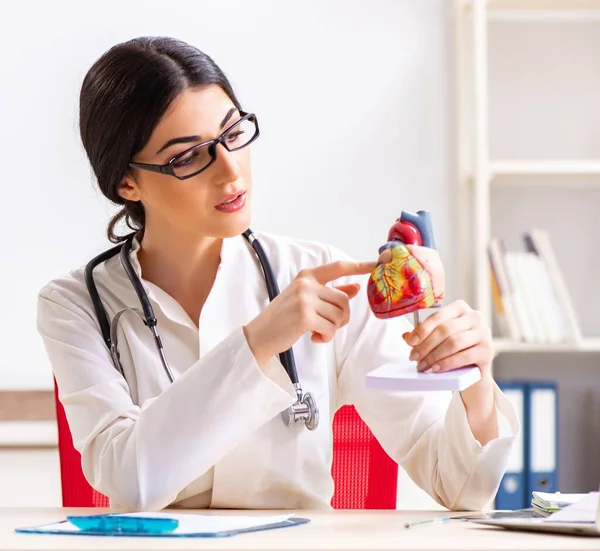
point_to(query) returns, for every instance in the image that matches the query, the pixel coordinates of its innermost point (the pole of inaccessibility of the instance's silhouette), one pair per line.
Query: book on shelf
(530, 298)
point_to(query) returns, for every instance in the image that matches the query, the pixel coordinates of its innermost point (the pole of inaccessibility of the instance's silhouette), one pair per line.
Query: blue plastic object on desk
(120, 524)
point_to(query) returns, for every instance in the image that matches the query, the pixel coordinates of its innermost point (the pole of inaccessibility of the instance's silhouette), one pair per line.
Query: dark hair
(123, 97)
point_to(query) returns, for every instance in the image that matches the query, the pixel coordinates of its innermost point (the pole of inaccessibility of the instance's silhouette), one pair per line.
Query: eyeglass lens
(198, 158)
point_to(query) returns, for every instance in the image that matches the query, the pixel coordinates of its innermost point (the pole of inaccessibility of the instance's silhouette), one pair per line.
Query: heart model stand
(404, 285)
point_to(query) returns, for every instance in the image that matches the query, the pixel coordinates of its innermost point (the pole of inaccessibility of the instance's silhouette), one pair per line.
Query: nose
(227, 169)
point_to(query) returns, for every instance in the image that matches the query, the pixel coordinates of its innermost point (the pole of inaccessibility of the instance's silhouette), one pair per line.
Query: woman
(214, 437)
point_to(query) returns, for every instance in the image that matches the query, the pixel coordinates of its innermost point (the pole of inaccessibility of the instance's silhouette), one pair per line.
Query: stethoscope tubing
(108, 329)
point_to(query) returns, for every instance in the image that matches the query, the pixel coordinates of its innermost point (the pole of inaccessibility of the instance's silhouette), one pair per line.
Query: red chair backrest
(364, 474)
(365, 477)
(76, 491)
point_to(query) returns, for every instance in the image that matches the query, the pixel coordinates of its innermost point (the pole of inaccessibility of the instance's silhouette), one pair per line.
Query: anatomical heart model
(409, 275)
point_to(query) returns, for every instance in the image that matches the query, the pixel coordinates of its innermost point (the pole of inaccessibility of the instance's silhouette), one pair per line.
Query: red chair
(365, 476)
(76, 492)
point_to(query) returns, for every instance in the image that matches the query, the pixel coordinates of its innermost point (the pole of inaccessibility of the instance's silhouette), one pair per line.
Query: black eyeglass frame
(212, 150)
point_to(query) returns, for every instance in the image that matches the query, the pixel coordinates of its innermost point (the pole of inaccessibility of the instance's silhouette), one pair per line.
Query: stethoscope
(305, 409)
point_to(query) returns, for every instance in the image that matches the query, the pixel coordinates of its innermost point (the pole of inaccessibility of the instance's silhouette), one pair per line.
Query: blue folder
(533, 464)
(512, 493)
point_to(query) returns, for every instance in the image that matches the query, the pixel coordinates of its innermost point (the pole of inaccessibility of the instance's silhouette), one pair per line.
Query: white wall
(30, 478)
(369, 84)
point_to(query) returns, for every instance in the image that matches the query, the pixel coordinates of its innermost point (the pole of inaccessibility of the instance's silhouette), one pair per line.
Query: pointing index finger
(341, 268)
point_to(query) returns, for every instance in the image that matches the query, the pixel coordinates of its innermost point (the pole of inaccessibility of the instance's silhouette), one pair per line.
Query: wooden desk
(328, 531)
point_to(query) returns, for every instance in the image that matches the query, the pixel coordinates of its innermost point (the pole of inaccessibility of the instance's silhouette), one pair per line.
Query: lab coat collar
(160, 298)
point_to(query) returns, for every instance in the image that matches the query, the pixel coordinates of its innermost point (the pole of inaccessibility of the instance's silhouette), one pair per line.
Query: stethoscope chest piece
(305, 409)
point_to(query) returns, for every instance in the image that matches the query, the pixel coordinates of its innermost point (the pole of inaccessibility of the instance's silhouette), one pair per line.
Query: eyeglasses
(199, 157)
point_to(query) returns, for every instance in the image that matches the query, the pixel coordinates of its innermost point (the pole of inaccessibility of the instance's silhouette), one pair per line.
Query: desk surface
(327, 531)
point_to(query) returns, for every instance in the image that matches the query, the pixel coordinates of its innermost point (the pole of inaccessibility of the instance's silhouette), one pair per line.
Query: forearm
(480, 406)
(189, 427)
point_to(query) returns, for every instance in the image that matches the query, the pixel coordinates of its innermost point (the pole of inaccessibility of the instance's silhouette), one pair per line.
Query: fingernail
(421, 366)
(435, 368)
(414, 356)
(413, 340)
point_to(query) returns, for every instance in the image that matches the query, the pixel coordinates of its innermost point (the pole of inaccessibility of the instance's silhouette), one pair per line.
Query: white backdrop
(368, 85)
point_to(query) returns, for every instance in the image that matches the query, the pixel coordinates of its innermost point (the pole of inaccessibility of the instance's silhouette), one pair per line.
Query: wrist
(480, 406)
(258, 349)
(486, 381)
(481, 393)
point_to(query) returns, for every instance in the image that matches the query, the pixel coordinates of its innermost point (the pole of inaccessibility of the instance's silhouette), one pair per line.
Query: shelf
(590, 344)
(545, 168)
(26, 434)
(538, 10)
(543, 5)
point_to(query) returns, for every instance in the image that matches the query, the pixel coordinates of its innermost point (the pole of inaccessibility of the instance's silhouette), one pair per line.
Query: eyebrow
(197, 138)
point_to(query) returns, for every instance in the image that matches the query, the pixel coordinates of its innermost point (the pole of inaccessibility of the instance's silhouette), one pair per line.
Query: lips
(234, 202)
(230, 198)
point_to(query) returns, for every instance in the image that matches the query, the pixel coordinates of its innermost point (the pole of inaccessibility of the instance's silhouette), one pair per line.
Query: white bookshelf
(478, 173)
(542, 5)
(545, 168)
(565, 7)
(585, 345)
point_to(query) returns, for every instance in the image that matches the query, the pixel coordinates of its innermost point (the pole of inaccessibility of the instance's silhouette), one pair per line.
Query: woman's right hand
(306, 304)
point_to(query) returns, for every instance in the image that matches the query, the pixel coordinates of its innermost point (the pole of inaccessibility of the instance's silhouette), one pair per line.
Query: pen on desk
(426, 522)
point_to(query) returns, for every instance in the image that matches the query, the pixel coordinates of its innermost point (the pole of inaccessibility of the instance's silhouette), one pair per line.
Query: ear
(129, 189)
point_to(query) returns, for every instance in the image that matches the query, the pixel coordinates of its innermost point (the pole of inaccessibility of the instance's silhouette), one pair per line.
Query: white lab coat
(215, 437)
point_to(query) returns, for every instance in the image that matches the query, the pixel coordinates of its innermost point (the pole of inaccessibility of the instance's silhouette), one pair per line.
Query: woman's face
(201, 205)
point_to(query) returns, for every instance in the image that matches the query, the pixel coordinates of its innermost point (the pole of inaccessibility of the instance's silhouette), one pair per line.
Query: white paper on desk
(557, 499)
(404, 376)
(584, 510)
(190, 524)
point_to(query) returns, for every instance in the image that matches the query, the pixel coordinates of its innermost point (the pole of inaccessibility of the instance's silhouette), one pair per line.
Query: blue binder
(542, 449)
(512, 493)
(533, 464)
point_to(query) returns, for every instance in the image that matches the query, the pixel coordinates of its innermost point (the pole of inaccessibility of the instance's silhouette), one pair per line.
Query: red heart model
(402, 285)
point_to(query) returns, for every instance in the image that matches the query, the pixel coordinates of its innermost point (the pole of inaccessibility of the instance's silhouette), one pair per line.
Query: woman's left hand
(453, 337)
